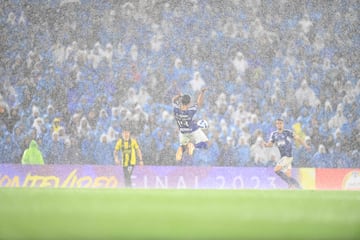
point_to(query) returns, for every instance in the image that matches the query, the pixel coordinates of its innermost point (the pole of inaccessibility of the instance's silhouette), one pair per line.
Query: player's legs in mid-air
(184, 139)
(186, 143)
(182, 148)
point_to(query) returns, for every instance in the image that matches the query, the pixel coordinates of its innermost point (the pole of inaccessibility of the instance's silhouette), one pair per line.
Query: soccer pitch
(178, 214)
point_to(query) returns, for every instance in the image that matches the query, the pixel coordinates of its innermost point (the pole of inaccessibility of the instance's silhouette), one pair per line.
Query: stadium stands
(73, 71)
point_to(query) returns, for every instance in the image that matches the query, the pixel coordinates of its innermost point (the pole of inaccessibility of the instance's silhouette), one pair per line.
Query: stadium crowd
(73, 71)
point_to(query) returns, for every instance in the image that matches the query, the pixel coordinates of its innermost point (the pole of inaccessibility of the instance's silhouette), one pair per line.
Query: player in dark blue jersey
(190, 134)
(283, 139)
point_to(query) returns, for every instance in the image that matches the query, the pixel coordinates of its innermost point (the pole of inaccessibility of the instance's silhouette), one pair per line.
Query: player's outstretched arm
(301, 141)
(176, 98)
(139, 155)
(116, 157)
(200, 99)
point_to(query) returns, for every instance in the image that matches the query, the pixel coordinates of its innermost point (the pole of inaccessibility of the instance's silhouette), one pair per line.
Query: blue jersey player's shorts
(196, 136)
(285, 163)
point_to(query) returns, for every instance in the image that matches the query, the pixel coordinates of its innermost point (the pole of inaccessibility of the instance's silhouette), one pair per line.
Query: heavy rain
(74, 73)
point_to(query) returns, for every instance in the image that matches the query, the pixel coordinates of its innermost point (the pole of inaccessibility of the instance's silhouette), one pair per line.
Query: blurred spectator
(35, 113)
(32, 155)
(339, 119)
(258, 154)
(340, 159)
(9, 149)
(39, 127)
(303, 156)
(305, 93)
(243, 149)
(321, 158)
(83, 130)
(72, 152)
(103, 151)
(56, 125)
(166, 155)
(228, 155)
(240, 64)
(148, 142)
(197, 83)
(326, 112)
(53, 152)
(8, 116)
(4, 114)
(103, 121)
(305, 24)
(355, 158)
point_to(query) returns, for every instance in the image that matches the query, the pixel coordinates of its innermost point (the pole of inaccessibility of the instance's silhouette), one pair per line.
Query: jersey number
(182, 123)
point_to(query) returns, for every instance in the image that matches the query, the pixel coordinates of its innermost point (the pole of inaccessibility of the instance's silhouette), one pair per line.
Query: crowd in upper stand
(73, 71)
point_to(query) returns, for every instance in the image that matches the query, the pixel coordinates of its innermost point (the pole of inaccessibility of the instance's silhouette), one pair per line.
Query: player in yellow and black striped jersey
(130, 151)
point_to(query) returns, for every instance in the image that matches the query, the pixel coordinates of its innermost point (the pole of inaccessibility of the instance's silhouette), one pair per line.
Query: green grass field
(178, 214)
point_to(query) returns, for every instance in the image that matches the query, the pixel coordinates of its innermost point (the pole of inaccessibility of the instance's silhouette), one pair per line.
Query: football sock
(284, 177)
(289, 180)
(295, 183)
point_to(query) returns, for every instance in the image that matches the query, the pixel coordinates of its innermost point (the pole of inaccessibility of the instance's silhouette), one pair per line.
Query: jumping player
(282, 138)
(189, 132)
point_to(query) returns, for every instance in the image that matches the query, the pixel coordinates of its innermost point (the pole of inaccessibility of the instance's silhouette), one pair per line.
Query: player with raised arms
(282, 138)
(191, 135)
